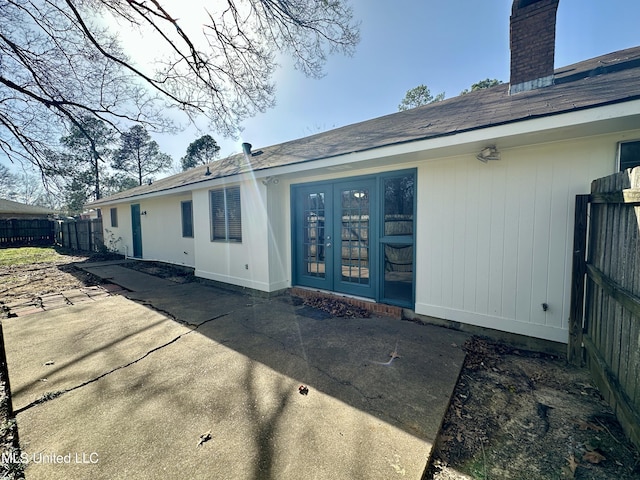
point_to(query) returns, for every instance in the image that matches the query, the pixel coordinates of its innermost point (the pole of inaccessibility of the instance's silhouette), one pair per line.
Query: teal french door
(333, 231)
(357, 236)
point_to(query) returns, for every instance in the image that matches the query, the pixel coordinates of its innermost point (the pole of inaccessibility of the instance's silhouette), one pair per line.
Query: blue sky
(447, 45)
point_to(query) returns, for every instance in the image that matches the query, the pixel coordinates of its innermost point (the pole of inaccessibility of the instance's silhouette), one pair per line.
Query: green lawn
(27, 255)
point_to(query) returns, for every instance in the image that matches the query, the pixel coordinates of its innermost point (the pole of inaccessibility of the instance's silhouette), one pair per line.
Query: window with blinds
(226, 219)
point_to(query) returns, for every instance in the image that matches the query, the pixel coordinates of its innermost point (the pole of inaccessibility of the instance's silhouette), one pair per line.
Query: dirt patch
(26, 284)
(517, 414)
(175, 273)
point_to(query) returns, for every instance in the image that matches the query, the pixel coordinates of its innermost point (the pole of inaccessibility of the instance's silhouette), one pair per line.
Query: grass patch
(28, 255)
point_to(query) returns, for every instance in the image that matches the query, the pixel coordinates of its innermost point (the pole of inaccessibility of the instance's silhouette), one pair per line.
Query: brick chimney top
(532, 43)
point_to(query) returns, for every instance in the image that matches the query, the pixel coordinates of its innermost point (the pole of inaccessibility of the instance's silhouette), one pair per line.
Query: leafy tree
(76, 192)
(420, 95)
(118, 182)
(139, 155)
(89, 144)
(61, 62)
(200, 152)
(482, 84)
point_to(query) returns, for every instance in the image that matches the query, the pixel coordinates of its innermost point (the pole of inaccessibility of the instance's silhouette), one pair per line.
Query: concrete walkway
(125, 387)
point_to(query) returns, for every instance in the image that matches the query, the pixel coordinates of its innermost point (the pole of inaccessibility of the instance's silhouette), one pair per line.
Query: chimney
(532, 43)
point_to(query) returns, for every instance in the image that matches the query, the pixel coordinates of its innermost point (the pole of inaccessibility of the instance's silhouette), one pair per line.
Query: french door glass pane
(398, 205)
(314, 254)
(355, 236)
(398, 272)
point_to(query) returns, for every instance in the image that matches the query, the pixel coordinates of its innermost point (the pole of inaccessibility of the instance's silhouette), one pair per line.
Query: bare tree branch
(60, 60)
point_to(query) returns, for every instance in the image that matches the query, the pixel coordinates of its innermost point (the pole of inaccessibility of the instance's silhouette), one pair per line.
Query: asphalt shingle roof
(10, 207)
(608, 79)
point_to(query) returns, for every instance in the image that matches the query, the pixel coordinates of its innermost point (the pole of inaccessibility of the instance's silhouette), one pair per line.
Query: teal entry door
(136, 230)
(334, 228)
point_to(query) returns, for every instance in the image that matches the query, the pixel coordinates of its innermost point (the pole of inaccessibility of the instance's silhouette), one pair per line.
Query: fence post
(578, 272)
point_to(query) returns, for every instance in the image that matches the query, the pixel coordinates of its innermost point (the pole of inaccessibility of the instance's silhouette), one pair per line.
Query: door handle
(328, 244)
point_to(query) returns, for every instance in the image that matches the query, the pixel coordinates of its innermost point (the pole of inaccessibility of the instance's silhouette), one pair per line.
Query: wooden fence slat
(614, 290)
(612, 392)
(576, 316)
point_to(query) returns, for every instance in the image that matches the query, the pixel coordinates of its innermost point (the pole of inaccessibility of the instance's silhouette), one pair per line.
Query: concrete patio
(124, 386)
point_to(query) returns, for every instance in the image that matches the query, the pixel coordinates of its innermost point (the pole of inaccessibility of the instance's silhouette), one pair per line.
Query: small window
(629, 155)
(114, 217)
(187, 218)
(226, 224)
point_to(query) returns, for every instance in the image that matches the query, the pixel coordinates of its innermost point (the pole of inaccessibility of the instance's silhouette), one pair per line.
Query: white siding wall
(495, 239)
(244, 264)
(162, 238)
(117, 238)
(161, 230)
(279, 232)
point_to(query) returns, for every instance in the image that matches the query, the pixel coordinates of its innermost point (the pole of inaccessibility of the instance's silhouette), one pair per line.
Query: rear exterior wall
(495, 240)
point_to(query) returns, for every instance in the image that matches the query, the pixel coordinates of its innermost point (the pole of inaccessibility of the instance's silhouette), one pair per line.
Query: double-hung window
(114, 217)
(629, 155)
(226, 220)
(187, 218)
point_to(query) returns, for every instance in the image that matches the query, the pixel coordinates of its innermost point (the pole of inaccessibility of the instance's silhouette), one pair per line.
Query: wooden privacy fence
(20, 232)
(605, 301)
(80, 234)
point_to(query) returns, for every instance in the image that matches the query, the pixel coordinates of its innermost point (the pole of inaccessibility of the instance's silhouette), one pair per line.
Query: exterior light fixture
(488, 153)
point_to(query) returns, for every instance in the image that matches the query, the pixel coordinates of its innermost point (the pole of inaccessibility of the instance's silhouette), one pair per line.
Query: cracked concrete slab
(56, 350)
(127, 277)
(193, 303)
(234, 372)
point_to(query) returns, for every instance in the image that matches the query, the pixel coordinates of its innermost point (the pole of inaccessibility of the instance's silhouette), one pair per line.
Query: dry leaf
(588, 426)
(572, 463)
(593, 457)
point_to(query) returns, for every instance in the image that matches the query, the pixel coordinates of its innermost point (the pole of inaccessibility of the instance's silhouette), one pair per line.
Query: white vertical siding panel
(541, 239)
(461, 201)
(561, 216)
(447, 231)
(483, 176)
(526, 192)
(437, 211)
(424, 241)
(497, 246)
(511, 238)
(470, 251)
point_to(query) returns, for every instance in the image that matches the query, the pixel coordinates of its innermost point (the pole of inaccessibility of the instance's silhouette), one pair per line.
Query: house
(16, 210)
(460, 210)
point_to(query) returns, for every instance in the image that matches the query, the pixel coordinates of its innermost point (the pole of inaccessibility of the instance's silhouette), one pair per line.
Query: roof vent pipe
(246, 149)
